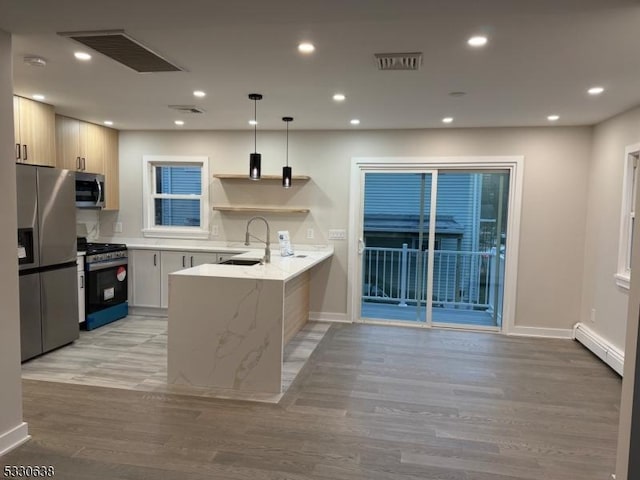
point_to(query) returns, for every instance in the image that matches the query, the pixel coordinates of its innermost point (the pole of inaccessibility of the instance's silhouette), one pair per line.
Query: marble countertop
(280, 268)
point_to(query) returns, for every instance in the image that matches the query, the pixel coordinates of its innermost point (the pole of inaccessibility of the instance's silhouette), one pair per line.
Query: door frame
(361, 165)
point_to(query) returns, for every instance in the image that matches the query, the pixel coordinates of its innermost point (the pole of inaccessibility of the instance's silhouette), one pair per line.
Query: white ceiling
(541, 58)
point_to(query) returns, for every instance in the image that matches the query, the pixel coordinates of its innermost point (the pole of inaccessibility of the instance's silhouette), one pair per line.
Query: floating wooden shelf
(261, 210)
(228, 176)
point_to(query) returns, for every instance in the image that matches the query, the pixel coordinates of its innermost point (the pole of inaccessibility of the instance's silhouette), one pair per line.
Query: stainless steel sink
(241, 261)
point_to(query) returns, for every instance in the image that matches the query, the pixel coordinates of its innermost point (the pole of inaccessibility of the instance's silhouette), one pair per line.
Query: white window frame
(627, 215)
(148, 191)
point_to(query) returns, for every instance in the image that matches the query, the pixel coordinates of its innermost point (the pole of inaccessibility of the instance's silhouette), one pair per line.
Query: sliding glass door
(433, 246)
(397, 234)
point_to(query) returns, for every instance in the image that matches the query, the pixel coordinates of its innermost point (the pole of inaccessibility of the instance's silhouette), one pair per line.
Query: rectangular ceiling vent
(186, 108)
(399, 61)
(119, 46)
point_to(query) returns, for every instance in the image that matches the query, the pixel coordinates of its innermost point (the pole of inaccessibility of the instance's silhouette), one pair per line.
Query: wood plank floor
(132, 354)
(372, 403)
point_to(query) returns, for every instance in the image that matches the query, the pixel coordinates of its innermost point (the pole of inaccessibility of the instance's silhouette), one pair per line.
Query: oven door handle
(92, 267)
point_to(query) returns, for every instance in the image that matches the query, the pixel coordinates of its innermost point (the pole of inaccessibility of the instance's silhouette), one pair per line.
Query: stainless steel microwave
(89, 190)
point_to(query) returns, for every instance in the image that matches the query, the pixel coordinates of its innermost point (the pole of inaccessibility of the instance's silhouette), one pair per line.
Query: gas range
(99, 252)
(106, 282)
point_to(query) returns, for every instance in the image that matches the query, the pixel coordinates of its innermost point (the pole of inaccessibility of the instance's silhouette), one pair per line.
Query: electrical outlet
(337, 234)
(310, 233)
(215, 231)
(117, 227)
(593, 315)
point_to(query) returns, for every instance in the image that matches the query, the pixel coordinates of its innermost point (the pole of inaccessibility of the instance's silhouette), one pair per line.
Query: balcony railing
(460, 279)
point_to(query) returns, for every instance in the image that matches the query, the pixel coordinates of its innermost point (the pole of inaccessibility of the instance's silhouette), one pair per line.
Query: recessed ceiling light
(199, 93)
(84, 56)
(253, 122)
(447, 120)
(478, 41)
(339, 97)
(355, 121)
(595, 90)
(553, 118)
(38, 96)
(108, 122)
(179, 122)
(306, 47)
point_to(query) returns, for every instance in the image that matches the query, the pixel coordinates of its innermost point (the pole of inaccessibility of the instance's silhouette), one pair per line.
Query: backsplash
(88, 223)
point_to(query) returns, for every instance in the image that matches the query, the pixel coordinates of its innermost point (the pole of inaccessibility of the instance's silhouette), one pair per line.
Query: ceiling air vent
(120, 47)
(186, 108)
(399, 61)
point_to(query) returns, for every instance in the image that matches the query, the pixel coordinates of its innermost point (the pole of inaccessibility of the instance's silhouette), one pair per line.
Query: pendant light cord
(255, 125)
(287, 144)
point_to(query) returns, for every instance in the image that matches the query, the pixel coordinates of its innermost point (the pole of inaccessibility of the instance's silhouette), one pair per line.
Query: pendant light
(286, 170)
(255, 158)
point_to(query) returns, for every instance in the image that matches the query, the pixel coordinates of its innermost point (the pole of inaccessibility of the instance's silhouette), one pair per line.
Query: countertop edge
(272, 271)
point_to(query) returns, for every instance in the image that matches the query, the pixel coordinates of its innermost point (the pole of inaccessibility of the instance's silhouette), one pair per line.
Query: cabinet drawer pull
(24, 152)
(18, 151)
(192, 261)
(155, 259)
(82, 283)
(84, 163)
(77, 163)
(183, 257)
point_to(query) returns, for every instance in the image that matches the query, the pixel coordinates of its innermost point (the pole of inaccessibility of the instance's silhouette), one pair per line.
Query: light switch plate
(310, 233)
(337, 234)
(117, 227)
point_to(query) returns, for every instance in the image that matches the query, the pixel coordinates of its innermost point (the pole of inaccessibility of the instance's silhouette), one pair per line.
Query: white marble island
(228, 324)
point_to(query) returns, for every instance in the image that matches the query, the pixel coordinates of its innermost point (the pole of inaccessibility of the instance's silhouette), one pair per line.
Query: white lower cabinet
(201, 258)
(171, 262)
(81, 299)
(221, 257)
(145, 272)
(150, 271)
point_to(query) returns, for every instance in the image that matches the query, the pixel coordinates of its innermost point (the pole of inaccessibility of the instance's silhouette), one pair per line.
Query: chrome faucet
(267, 250)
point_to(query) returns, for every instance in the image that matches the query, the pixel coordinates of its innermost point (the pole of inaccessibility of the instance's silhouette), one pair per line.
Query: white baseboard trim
(564, 333)
(600, 347)
(14, 438)
(329, 317)
(148, 311)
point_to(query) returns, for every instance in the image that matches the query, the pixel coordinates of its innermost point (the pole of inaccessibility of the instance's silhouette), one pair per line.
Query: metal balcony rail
(460, 279)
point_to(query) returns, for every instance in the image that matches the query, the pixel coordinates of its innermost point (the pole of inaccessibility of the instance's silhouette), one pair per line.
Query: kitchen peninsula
(228, 324)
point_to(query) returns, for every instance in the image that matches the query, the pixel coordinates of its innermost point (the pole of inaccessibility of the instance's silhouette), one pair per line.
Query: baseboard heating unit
(599, 347)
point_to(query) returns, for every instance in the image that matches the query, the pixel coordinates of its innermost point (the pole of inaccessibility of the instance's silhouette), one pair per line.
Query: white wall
(554, 200)
(600, 291)
(628, 426)
(12, 429)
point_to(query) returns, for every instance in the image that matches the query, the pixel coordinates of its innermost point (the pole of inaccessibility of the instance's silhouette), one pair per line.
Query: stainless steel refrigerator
(47, 259)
